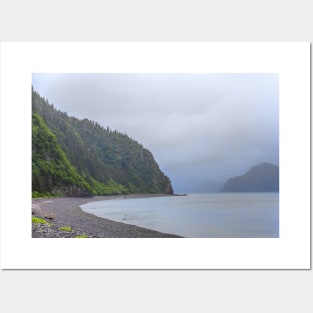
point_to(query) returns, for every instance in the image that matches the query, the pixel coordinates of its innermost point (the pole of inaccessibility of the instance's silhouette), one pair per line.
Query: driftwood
(50, 216)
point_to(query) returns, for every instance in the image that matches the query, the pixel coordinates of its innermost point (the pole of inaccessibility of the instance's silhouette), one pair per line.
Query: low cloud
(201, 128)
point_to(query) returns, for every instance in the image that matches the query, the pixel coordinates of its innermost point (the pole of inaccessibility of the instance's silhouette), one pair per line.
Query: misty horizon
(202, 129)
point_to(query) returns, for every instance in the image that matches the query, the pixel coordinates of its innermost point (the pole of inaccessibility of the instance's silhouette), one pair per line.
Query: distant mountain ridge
(260, 178)
(72, 157)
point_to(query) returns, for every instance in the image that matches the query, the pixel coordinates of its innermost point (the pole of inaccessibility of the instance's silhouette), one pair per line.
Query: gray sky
(201, 128)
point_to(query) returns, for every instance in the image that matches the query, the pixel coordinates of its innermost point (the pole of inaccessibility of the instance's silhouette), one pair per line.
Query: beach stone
(66, 212)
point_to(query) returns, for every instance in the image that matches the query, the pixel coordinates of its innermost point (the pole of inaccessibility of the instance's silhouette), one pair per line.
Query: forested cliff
(73, 157)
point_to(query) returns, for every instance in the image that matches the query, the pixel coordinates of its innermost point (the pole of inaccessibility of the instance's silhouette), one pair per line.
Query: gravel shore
(69, 220)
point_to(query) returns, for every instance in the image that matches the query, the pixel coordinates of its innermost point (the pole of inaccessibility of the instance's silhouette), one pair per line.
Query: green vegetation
(52, 172)
(66, 228)
(73, 157)
(38, 220)
(81, 236)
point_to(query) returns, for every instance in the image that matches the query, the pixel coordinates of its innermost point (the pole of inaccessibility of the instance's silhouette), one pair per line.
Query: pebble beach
(65, 219)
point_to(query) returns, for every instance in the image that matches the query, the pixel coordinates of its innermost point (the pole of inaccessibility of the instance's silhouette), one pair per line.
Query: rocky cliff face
(260, 178)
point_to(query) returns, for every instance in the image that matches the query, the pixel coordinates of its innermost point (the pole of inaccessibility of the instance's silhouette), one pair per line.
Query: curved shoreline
(67, 212)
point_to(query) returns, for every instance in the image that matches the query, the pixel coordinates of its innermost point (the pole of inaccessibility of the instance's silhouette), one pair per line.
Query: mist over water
(211, 215)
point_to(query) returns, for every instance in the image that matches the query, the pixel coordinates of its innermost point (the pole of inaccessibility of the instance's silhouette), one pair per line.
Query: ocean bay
(203, 215)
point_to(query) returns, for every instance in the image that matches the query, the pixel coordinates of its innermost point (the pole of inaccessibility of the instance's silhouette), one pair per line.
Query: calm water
(227, 215)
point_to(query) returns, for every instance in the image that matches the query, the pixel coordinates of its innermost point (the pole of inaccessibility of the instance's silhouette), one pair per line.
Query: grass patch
(81, 236)
(66, 228)
(38, 220)
(36, 194)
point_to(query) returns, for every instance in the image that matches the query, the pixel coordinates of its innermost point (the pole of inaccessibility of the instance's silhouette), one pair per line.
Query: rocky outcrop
(260, 178)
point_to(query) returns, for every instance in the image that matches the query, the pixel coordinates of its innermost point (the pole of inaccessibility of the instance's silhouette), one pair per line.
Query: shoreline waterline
(200, 215)
(67, 211)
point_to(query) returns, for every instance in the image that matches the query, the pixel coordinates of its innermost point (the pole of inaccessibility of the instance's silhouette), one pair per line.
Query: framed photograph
(155, 155)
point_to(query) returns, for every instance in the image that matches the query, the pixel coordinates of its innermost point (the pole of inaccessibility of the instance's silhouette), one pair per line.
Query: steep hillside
(106, 161)
(52, 173)
(260, 178)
